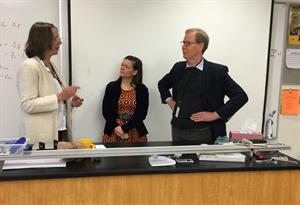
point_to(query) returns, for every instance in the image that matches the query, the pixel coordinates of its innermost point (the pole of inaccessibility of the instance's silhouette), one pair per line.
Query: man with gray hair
(198, 91)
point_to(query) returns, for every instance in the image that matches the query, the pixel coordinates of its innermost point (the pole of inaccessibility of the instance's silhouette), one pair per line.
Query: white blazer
(39, 105)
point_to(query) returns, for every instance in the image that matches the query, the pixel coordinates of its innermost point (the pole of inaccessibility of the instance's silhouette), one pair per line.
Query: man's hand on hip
(171, 103)
(204, 116)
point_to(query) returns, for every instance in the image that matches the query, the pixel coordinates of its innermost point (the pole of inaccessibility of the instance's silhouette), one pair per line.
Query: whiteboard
(104, 32)
(16, 18)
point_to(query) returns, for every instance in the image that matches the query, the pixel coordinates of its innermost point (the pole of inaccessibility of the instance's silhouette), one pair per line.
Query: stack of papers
(33, 163)
(226, 157)
(100, 146)
(161, 161)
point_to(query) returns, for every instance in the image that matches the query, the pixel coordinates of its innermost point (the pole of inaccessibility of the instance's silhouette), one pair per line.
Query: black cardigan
(216, 84)
(110, 108)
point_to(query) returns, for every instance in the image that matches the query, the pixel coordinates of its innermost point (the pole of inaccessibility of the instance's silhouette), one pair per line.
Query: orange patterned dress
(126, 108)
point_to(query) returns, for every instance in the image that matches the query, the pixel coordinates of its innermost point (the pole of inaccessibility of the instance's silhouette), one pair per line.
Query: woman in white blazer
(46, 100)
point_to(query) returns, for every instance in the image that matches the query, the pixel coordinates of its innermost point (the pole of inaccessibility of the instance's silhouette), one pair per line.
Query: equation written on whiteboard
(5, 77)
(11, 53)
(4, 73)
(11, 48)
(13, 24)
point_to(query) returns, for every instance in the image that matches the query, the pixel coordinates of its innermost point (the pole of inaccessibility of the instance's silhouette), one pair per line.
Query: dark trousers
(202, 135)
(63, 135)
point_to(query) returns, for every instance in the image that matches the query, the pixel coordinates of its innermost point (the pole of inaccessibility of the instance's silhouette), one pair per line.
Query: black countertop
(133, 165)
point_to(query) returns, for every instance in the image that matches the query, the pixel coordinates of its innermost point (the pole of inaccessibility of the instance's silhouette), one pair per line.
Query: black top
(189, 100)
(216, 84)
(110, 108)
(132, 165)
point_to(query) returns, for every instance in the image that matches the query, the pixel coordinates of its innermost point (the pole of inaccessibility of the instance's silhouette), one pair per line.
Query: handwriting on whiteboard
(13, 24)
(11, 49)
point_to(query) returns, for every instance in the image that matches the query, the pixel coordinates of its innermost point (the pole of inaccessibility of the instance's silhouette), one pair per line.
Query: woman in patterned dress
(125, 104)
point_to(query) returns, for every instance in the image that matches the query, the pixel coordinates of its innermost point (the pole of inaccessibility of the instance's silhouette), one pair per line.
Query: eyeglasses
(57, 38)
(186, 43)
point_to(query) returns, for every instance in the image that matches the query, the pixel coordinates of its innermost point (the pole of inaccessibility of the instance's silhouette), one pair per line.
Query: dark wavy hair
(39, 39)
(138, 66)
